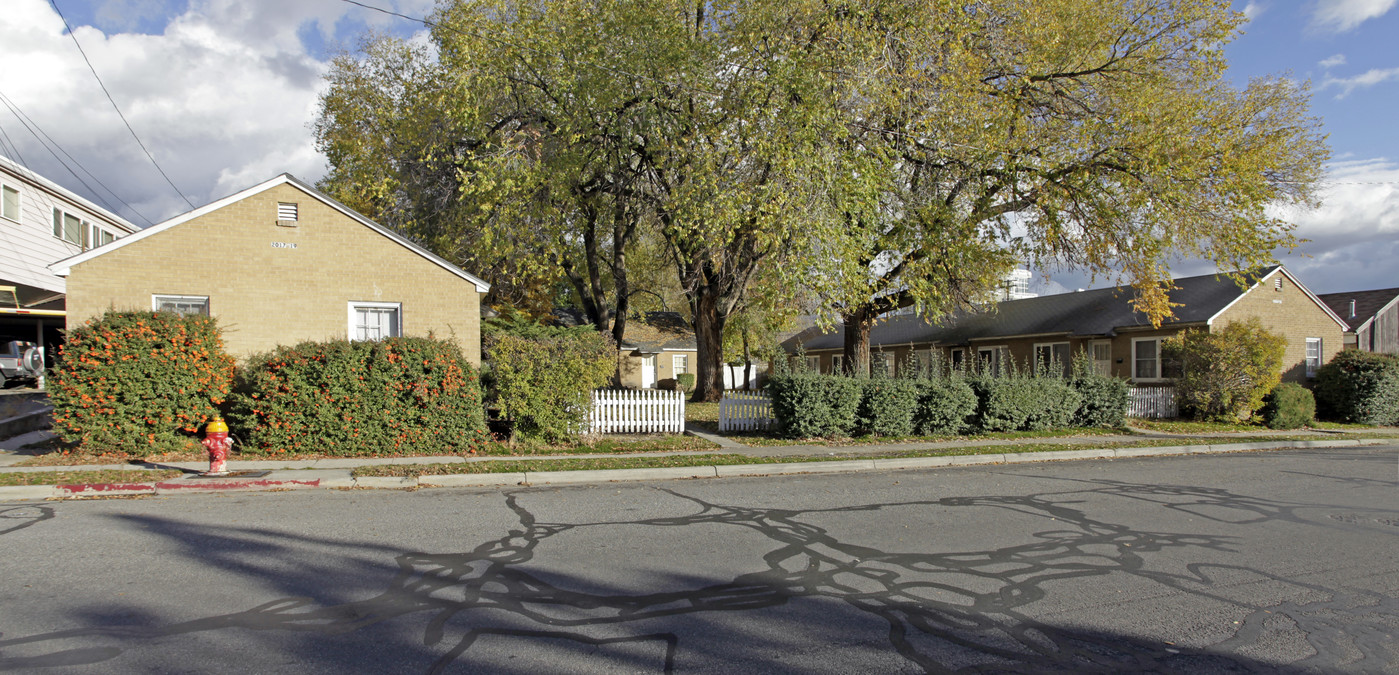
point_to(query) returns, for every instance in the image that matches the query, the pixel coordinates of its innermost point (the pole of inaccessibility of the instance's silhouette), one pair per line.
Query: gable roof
(1368, 305)
(63, 267)
(659, 331)
(1099, 312)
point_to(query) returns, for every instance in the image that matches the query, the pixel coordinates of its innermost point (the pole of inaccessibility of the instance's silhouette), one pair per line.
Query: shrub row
(812, 405)
(155, 378)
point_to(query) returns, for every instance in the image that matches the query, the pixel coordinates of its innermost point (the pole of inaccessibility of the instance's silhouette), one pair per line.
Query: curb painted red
(250, 484)
(106, 488)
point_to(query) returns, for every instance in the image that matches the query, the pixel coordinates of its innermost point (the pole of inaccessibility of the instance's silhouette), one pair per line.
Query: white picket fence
(640, 411)
(1153, 403)
(745, 411)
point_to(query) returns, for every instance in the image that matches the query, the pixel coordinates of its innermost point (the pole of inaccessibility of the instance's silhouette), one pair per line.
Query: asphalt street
(1281, 561)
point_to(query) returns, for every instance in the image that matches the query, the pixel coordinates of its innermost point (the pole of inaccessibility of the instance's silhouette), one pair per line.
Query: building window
(9, 203)
(837, 364)
(881, 364)
(1053, 358)
(813, 364)
(1148, 363)
(1102, 358)
(181, 304)
(993, 360)
(68, 227)
(1313, 356)
(679, 363)
(957, 357)
(375, 320)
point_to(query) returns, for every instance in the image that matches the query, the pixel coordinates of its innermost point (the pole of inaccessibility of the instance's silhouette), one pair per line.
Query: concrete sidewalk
(338, 473)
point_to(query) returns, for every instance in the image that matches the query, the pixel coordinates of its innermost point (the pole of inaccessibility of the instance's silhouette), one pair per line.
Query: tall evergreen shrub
(1021, 403)
(810, 405)
(1360, 387)
(140, 381)
(889, 406)
(1105, 398)
(945, 406)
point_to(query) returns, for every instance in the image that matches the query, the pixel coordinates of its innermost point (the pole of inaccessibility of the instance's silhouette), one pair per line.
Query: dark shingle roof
(654, 331)
(1085, 313)
(1367, 304)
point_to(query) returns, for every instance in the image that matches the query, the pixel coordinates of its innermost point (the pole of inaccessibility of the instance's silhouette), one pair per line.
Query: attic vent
(1352, 309)
(1277, 284)
(286, 214)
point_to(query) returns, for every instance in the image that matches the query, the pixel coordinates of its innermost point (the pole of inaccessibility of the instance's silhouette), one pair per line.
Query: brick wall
(265, 292)
(1289, 312)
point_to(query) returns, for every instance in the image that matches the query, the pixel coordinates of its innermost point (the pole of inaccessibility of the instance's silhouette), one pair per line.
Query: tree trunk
(747, 363)
(709, 341)
(857, 341)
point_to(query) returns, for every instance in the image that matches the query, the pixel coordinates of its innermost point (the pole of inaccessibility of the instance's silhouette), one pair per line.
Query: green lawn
(79, 477)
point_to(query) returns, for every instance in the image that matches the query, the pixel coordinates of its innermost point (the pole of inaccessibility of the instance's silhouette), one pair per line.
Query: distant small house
(280, 263)
(40, 222)
(1373, 317)
(657, 347)
(1102, 324)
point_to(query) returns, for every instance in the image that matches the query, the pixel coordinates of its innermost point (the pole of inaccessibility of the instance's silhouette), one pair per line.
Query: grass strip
(765, 440)
(597, 463)
(82, 477)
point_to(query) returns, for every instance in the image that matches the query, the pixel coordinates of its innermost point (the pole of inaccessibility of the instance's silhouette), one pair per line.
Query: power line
(45, 140)
(156, 164)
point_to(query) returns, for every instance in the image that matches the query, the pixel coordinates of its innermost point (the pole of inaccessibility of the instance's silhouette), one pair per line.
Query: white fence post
(640, 411)
(745, 411)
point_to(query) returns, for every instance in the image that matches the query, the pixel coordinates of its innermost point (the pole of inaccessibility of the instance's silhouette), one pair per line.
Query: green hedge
(1104, 400)
(810, 405)
(888, 407)
(399, 395)
(139, 381)
(1360, 387)
(945, 406)
(1019, 403)
(1289, 406)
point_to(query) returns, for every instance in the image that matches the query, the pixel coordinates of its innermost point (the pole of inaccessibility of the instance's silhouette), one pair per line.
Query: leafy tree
(1226, 373)
(1100, 135)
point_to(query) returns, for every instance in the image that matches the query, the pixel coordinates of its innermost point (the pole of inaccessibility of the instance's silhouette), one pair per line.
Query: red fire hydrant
(217, 442)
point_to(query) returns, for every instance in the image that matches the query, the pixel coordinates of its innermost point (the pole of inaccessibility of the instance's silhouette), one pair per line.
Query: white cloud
(1332, 61)
(1253, 10)
(1354, 234)
(1339, 16)
(1368, 78)
(223, 97)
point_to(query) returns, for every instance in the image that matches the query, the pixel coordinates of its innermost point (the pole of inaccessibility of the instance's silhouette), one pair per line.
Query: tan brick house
(277, 264)
(1102, 323)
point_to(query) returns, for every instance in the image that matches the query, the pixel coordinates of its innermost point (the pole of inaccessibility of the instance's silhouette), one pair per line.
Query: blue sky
(223, 93)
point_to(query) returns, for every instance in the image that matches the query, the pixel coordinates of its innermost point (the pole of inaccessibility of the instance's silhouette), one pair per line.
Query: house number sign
(283, 244)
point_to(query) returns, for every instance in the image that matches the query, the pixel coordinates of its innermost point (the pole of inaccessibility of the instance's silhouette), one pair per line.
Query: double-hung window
(9, 202)
(1313, 356)
(68, 227)
(375, 320)
(1148, 362)
(837, 364)
(181, 304)
(679, 363)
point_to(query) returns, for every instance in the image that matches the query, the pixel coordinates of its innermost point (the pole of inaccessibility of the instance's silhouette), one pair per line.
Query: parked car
(20, 361)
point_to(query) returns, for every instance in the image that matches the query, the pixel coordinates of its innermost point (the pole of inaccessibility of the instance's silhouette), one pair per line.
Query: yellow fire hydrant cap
(216, 426)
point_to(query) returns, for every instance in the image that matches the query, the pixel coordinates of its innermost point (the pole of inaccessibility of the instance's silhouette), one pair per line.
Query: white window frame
(956, 358)
(1066, 364)
(1156, 376)
(60, 227)
(813, 364)
(161, 298)
(19, 202)
(1313, 362)
(836, 364)
(679, 363)
(885, 361)
(353, 305)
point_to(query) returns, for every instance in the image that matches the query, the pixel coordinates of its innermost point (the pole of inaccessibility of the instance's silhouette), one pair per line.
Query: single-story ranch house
(277, 264)
(1102, 323)
(1373, 317)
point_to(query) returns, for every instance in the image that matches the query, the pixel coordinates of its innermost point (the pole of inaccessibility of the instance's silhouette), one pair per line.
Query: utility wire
(13, 148)
(34, 128)
(74, 36)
